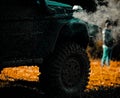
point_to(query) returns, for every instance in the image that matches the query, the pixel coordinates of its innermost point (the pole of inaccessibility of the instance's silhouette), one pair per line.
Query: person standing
(107, 43)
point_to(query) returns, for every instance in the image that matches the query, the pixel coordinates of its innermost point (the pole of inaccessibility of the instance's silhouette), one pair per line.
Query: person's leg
(104, 56)
(108, 56)
(110, 53)
(107, 61)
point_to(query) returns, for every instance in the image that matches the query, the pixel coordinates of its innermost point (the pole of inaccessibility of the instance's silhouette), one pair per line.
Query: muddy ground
(104, 82)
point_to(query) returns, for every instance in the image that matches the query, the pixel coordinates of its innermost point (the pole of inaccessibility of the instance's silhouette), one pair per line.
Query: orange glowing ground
(99, 76)
(104, 76)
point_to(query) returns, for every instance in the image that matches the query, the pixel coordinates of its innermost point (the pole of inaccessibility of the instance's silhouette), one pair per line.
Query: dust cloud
(112, 11)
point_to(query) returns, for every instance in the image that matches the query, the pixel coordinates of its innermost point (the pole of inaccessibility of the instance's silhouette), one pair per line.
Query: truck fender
(74, 31)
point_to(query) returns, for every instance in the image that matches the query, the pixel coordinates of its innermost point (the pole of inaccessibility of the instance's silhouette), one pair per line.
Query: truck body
(44, 33)
(28, 34)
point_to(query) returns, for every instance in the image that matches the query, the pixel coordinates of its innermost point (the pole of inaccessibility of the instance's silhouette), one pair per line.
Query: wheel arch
(77, 32)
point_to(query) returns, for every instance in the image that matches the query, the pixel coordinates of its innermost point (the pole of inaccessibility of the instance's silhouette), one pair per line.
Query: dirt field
(99, 76)
(103, 82)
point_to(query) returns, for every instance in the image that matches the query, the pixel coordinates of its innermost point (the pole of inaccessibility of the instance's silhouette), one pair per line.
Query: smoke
(111, 11)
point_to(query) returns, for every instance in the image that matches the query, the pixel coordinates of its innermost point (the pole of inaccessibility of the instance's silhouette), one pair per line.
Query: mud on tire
(65, 74)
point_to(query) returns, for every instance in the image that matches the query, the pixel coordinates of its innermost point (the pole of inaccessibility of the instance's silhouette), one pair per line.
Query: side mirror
(77, 8)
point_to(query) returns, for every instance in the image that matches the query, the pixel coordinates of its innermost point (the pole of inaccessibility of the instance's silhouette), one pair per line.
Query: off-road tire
(65, 74)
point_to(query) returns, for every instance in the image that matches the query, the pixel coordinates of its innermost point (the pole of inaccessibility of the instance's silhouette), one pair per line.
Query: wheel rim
(71, 73)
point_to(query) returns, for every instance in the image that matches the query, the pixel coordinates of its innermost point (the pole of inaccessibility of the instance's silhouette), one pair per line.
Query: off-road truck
(44, 33)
